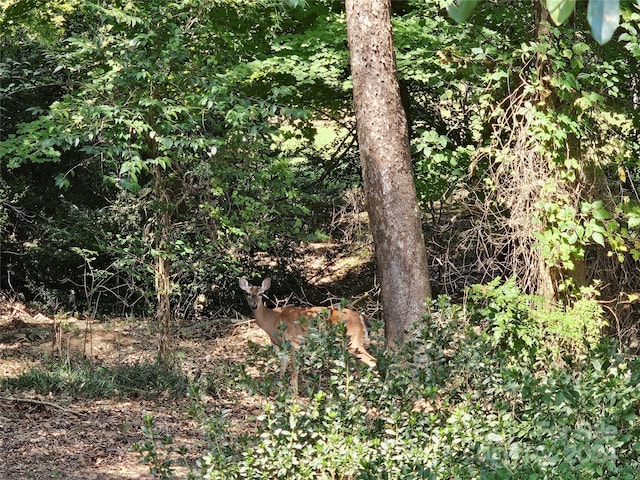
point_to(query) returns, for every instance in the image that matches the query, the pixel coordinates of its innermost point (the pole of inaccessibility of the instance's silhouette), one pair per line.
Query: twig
(40, 402)
(365, 297)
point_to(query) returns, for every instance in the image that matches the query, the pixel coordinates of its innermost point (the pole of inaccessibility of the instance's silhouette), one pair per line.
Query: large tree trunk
(386, 167)
(551, 276)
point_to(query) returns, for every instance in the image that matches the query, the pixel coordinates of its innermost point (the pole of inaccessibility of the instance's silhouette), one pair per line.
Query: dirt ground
(75, 438)
(78, 438)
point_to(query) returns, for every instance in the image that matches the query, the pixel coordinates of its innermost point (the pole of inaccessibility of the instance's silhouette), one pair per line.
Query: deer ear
(266, 283)
(244, 285)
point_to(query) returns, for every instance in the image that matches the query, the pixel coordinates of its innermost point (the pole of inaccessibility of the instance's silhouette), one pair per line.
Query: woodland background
(204, 140)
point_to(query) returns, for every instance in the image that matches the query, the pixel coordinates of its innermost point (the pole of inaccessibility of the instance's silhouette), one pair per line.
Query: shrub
(529, 326)
(452, 403)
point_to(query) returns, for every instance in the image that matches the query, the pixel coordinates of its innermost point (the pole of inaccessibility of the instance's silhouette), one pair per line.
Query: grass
(86, 380)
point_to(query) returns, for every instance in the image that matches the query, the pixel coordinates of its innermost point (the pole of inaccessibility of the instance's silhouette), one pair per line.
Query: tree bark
(163, 272)
(162, 259)
(386, 167)
(549, 275)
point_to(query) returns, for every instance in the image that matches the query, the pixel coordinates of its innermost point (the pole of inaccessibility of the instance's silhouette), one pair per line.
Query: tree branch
(40, 402)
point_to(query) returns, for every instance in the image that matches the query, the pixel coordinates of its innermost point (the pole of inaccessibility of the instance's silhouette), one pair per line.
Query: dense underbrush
(501, 387)
(505, 387)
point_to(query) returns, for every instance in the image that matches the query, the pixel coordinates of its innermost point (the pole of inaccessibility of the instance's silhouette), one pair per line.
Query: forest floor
(73, 437)
(60, 437)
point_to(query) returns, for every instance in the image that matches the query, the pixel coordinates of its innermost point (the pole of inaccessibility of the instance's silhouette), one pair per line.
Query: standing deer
(296, 325)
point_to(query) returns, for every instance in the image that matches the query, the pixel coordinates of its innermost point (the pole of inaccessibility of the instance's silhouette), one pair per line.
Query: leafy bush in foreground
(453, 403)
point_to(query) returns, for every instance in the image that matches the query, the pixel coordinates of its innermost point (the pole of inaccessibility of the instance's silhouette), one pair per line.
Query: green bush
(530, 326)
(452, 403)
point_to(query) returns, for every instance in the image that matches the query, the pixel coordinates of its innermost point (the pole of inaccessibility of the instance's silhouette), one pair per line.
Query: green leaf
(603, 16)
(460, 10)
(634, 220)
(598, 238)
(62, 182)
(601, 214)
(129, 184)
(560, 10)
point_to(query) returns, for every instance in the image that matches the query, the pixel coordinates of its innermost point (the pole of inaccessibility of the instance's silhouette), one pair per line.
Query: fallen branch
(41, 402)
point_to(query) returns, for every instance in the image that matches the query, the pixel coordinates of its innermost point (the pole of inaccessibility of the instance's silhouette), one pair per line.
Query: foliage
(438, 168)
(569, 232)
(603, 15)
(545, 140)
(444, 108)
(471, 410)
(575, 217)
(529, 328)
(242, 134)
(167, 117)
(117, 115)
(156, 442)
(83, 379)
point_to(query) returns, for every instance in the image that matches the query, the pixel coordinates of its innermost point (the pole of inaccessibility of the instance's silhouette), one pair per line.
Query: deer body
(296, 322)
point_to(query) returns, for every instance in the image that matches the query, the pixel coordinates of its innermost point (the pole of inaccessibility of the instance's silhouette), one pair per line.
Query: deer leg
(294, 375)
(284, 361)
(366, 358)
(357, 350)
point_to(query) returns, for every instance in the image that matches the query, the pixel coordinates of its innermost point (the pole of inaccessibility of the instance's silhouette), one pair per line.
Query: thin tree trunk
(162, 260)
(163, 273)
(386, 167)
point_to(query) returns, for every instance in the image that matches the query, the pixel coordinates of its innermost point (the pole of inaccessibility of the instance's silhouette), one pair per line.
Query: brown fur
(296, 324)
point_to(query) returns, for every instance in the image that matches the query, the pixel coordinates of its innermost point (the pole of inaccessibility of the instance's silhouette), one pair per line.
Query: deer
(293, 323)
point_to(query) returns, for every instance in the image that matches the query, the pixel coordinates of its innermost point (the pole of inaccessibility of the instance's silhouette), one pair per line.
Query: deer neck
(269, 321)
